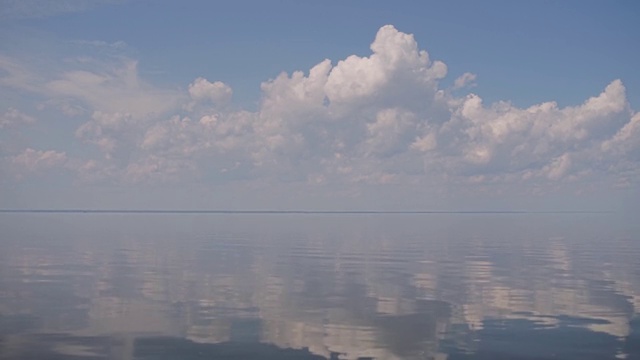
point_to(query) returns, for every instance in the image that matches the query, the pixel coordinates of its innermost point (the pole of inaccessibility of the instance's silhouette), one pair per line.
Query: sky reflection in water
(348, 286)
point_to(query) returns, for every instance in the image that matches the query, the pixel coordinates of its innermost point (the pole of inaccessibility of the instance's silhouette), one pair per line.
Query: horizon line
(229, 211)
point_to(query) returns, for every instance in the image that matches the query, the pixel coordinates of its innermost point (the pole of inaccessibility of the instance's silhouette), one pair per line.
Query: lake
(319, 286)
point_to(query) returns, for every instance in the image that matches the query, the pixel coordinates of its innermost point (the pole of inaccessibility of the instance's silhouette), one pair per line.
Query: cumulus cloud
(396, 66)
(31, 160)
(465, 80)
(217, 92)
(106, 130)
(157, 168)
(376, 119)
(505, 140)
(12, 117)
(626, 141)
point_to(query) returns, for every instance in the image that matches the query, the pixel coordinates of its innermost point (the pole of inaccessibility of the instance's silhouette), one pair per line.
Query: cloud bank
(384, 118)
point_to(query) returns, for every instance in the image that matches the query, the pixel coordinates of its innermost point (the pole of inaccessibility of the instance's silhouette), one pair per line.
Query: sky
(294, 105)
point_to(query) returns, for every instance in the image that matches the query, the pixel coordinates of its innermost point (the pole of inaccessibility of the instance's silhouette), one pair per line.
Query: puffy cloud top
(217, 92)
(395, 58)
(381, 118)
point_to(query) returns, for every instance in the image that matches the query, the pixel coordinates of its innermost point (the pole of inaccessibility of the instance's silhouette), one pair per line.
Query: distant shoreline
(301, 212)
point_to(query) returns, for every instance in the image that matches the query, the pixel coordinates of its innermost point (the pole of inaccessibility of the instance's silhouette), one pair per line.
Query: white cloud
(395, 66)
(425, 143)
(14, 74)
(626, 140)
(116, 45)
(465, 80)
(374, 119)
(12, 117)
(390, 133)
(68, 107)
(117, 89)
(157, 168)
(31, 160)
(93, 171)
(84, 84)
(217, 92)
(558, 167)
(504, 139)
(107, 131)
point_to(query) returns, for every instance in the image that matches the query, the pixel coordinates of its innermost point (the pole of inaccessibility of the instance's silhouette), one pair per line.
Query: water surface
(319, 286)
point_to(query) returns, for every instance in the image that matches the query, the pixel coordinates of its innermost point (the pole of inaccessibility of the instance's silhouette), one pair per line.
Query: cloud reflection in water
(318, 286)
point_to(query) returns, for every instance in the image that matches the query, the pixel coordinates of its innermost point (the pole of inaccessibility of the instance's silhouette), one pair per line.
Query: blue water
(319, 286)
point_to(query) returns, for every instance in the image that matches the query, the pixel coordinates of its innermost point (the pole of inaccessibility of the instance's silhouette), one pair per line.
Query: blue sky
(422, 105)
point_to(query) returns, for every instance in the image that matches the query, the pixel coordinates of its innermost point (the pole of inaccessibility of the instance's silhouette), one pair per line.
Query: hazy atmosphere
(319, 105)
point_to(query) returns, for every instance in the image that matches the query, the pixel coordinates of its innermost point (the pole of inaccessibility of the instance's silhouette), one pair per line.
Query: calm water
(324, 286)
